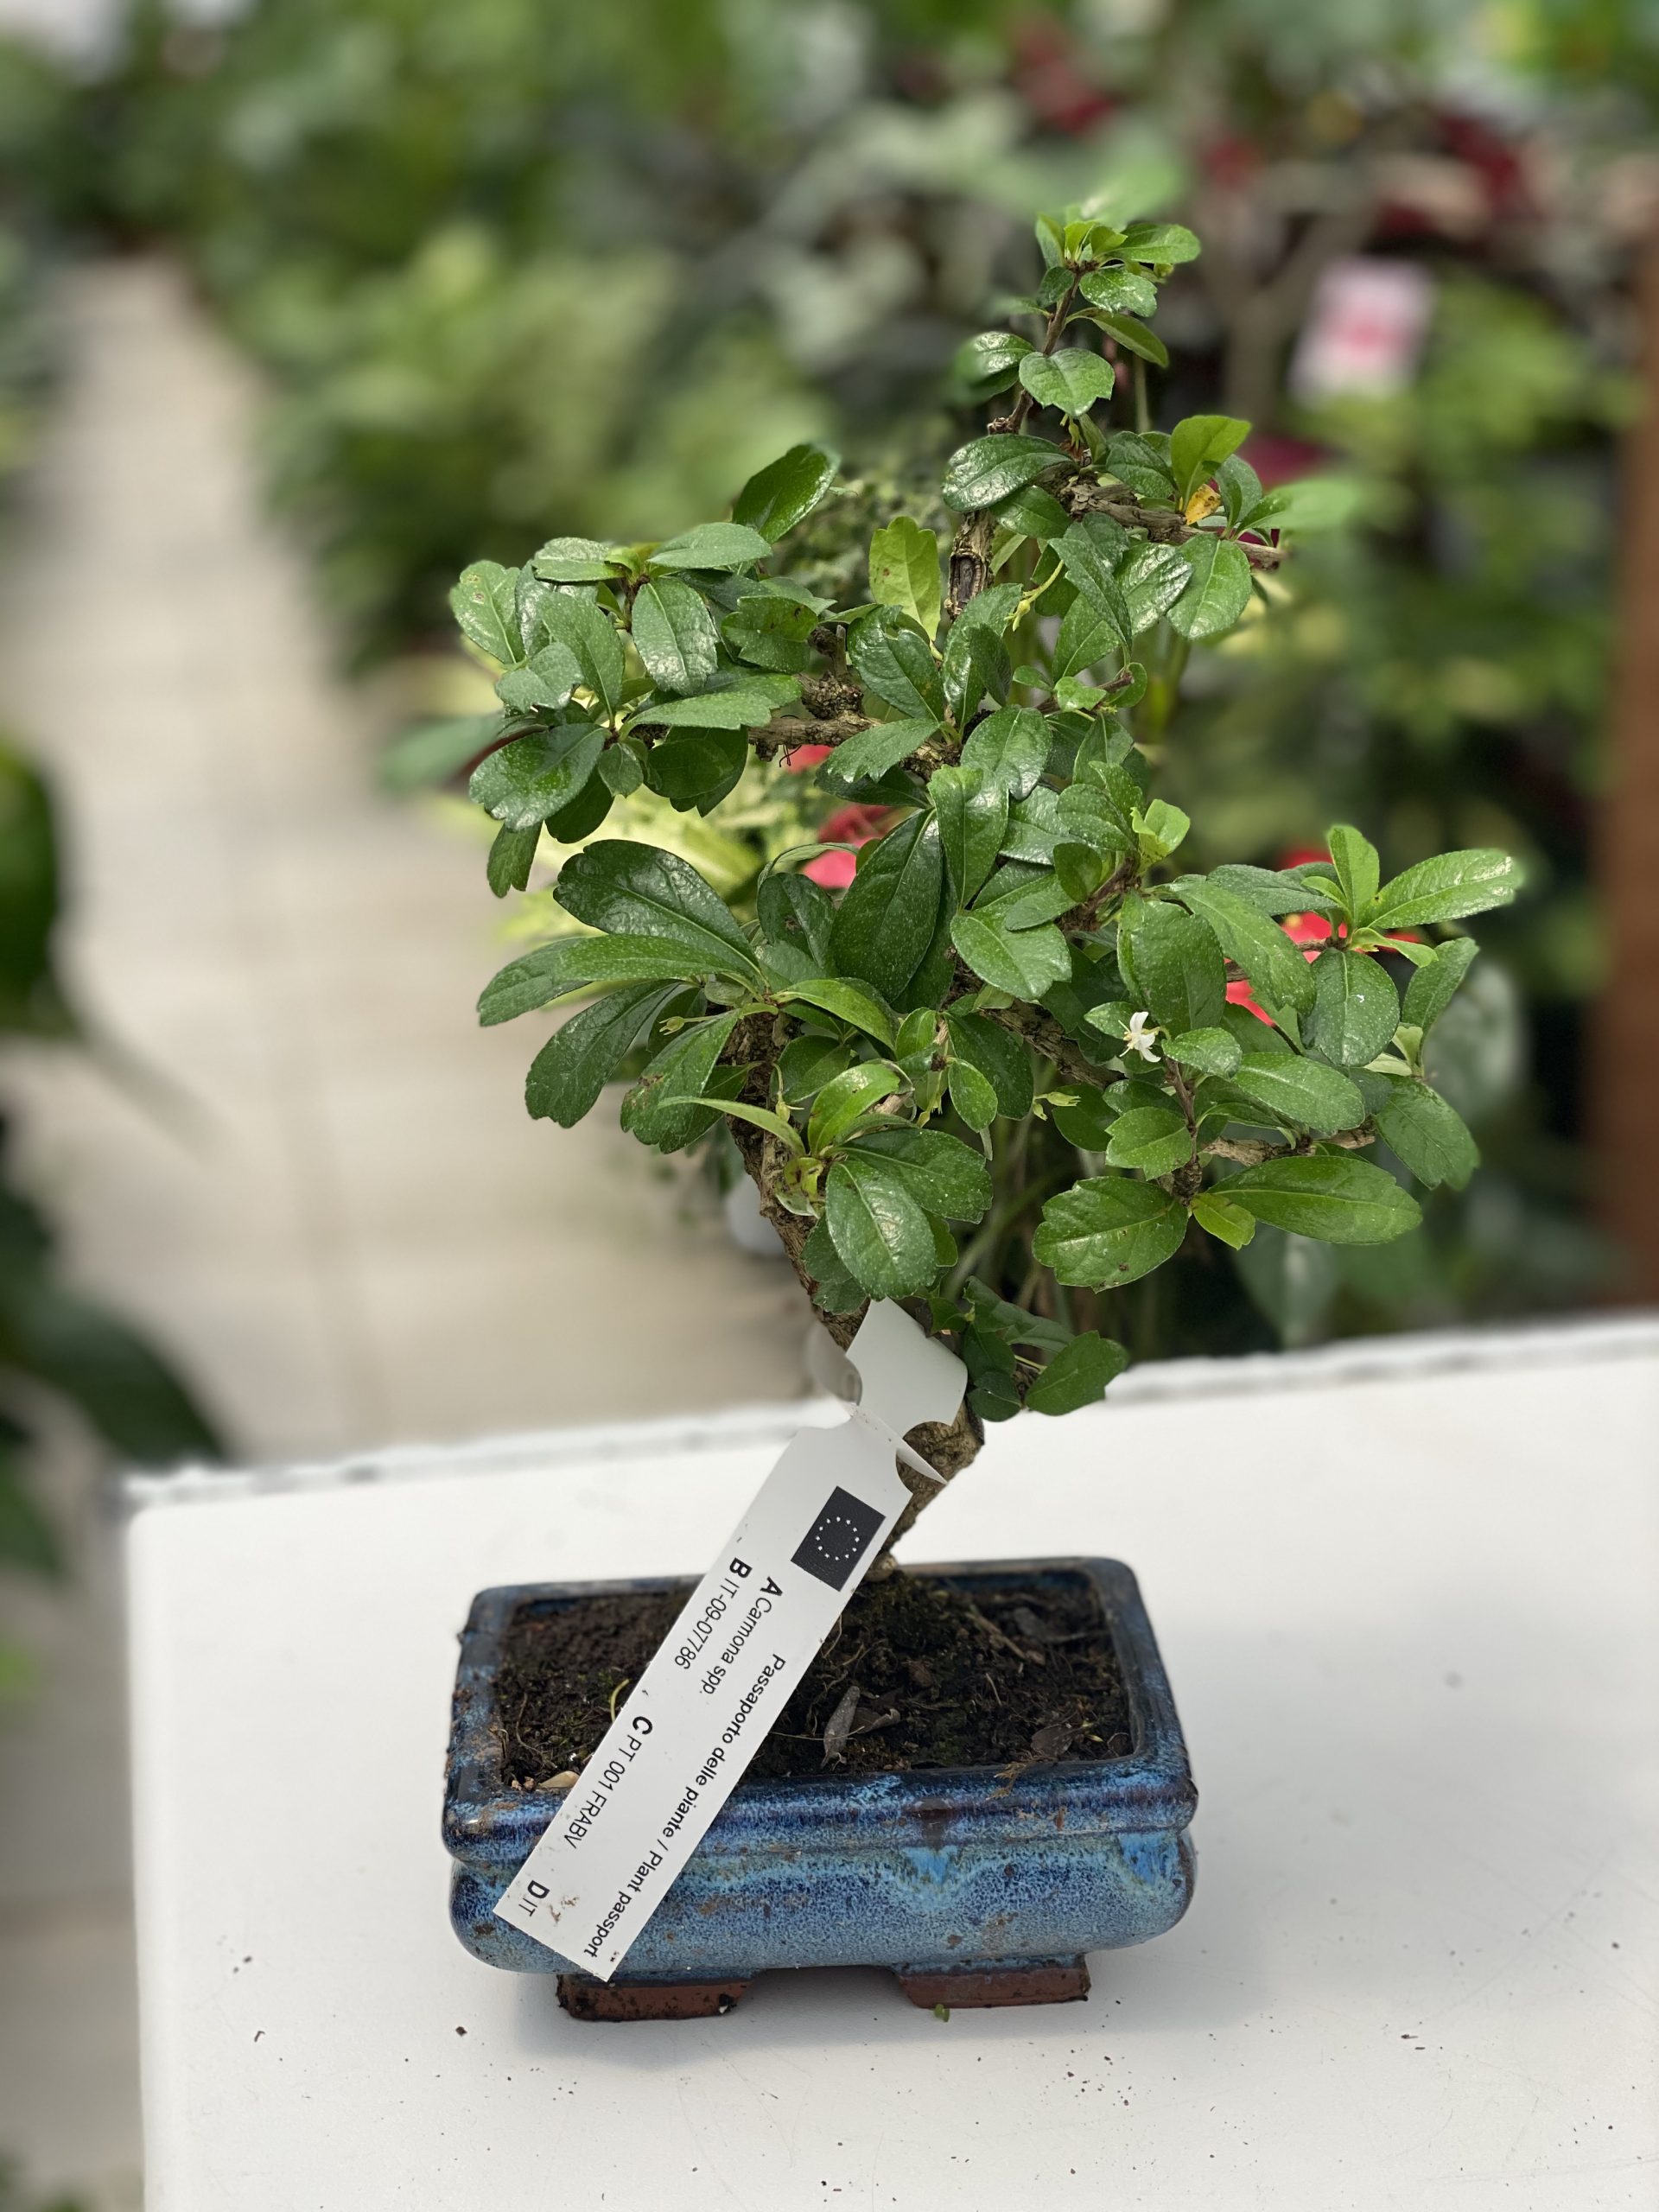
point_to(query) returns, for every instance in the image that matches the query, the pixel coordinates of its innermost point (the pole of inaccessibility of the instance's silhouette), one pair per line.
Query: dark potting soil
(1005, 1678)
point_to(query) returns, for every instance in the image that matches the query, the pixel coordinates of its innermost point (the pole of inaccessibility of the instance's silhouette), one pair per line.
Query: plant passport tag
(685, 1733)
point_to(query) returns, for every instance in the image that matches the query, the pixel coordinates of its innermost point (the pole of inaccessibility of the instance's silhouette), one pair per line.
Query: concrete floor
(346, 1229)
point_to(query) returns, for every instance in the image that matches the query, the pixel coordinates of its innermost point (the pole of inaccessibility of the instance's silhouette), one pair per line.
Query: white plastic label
(685, 1733)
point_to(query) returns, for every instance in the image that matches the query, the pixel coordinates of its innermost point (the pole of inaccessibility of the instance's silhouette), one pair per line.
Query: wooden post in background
(1626, 1057)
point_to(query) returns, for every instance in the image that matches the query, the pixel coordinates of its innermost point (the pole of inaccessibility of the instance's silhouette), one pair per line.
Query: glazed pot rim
(1147, 1789)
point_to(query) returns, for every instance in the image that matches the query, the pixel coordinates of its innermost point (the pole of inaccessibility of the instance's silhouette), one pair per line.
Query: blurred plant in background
(506, 277)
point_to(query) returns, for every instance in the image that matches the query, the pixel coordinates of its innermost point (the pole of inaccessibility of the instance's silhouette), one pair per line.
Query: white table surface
(1406, 1595)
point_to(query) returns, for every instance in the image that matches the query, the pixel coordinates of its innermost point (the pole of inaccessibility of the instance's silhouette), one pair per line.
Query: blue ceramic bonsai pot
(973, 1889)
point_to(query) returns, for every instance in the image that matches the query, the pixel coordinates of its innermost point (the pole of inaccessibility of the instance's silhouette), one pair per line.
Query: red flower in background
(849, 825)
(806, 756)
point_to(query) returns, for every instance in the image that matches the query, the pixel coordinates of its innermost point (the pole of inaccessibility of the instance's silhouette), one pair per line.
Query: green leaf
(993, 1052)
(1211, 1051)
(1090, 551)
(1447, 889)
(566, 620)
(848, 1001)
(1072, 379)
(1086, 638)
(806, 1064)
(572, 963)
(770, 631)
(669, 1106)
(1009, 747)
(1219, 590)
(640, 891)
(1355, 1007)
(573, 1067)
(512, 857)
(988, 364)
(988, 469)
(1142, 463)
(1155, 1139)
(1433, 987)
(1358, 871)
(1088, 1122)
(972, 1095)
(1134, 338)
(868, 756)
(1330, 1196)
(947, 1177)
(1274, 966)
(1304, 1094)
(976, 662)
(530, 779)
(712, 545)
(1269, 890)
(486, 607)
(1240, 488)
(1107, 1231)
(1028, 899)
(1119, 291)
(892, 658)
(545, 682)
(1224, 1217)
(783, 493)
(887, 913)
(622, 767)
(1023, 962)
(1174, 965)
(1431, 1137)
(1197, 445)
(973, 818)
(698, 768)
(582, 816)
(1165, 242)
(835, 1290)
(750, 703)
(576, 561)
(845, 1099)
(1078, 1375)
(796, 912)
(674, 634)
(905, 571)
(1032, 512)
(880, 1234)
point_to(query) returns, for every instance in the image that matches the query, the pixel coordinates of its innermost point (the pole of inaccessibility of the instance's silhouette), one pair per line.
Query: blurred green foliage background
(509, 272)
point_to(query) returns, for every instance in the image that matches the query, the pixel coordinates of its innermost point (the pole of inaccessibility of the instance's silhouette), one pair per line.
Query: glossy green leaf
(674, 634)
(848, 1001)
(1134, 338)
(512, 857)
(1447, 889)
(1330, 1196)
(1163, 243)
(576, 561)
(835, 1290)
(1108, 1230)
(1069, 379)
(1197, 445)
(568, 620)
(750, 703)
(895, 660)
(995, 1053)
(1224, 1217)
(1431, 1137)
(848, 1097)
(572, 963)
(1023, 962)
(973, 816)
(1091, 550)
(796, 910)
(1354, 858)
(873, 753)
(770, 631)
(783, 493)
(1174, 965)
(1078, 1375)
(988, 469)
(905, 571)
(697, 767)
(530, 778)
(887, 913)
(486, 607)
(1355, 1007)
(713, 545)
(640, 891)
(1433, 986)
(1119, 291)
(947, 1177)
(670, 1106)
(881, 1233)
(1219, 590)
(1299, 1093)
(1254, 942)
(1087, 1122)
(1209, 1051)
(578, 1061)
(1009, 747)
(545, 682)
(1153, 1139)
(972, 1095)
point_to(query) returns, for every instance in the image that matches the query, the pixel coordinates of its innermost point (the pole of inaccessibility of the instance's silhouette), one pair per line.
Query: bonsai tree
(1023, 1055)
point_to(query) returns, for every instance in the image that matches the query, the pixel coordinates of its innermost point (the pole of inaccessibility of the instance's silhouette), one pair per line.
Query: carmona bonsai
(1000, 1056)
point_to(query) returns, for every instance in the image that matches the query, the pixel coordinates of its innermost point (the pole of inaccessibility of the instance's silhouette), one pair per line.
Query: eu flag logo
(838, 1539)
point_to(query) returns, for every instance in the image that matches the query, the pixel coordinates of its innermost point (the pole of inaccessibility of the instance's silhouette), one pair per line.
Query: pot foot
(1021, 1981)
(585, 1999)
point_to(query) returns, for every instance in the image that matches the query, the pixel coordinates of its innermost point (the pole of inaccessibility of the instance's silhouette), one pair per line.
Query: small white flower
(1141, 1033)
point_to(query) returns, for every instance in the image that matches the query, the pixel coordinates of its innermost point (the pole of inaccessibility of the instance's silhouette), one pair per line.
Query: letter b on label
(740, 1568)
